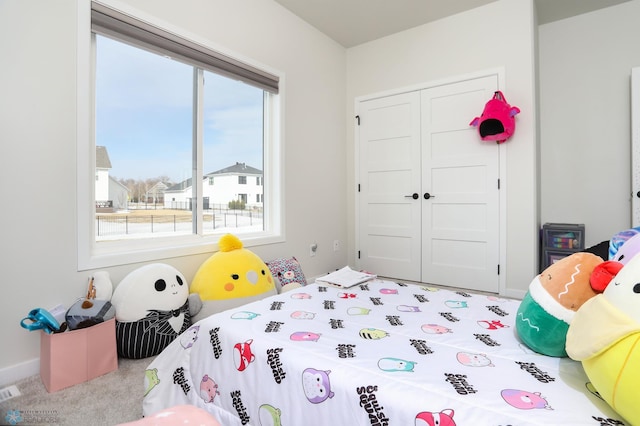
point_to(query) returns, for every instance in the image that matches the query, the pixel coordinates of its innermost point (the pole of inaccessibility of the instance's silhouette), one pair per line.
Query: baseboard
(17, 372)
(516, 294)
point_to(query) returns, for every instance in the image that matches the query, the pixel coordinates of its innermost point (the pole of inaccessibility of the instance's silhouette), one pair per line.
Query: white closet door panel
(389, 173)
(460, 232)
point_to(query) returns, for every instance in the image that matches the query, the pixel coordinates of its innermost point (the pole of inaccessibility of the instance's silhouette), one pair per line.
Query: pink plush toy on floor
(187, 415)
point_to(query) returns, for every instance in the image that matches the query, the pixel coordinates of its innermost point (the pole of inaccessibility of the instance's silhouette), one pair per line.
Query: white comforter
(382, 353)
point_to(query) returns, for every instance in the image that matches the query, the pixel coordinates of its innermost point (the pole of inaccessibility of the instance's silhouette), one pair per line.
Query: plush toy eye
(235, 276)
(264, 272)
(160, 285)
(179, 279)
(636, 288)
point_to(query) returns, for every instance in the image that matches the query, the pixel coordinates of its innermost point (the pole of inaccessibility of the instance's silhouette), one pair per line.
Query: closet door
(428, 200)
(388, 221)
(460, 184)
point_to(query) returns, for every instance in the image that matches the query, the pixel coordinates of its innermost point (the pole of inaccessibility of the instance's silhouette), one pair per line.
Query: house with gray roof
(110, 195)
(237, 182)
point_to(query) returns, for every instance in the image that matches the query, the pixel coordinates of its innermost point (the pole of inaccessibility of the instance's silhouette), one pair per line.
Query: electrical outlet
(336, 245)
(313, 248)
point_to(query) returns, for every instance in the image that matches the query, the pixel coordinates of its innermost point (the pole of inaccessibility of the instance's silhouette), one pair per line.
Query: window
(258, 180)
(170, 114)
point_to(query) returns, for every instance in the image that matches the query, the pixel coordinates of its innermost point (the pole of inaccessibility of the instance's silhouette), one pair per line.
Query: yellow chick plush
(605, 336)
(231, 277)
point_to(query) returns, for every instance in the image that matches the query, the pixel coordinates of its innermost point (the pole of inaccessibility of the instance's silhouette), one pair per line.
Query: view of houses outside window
(145, 162)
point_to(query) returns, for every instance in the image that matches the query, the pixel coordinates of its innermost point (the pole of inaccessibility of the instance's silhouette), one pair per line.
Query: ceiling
(353, 22)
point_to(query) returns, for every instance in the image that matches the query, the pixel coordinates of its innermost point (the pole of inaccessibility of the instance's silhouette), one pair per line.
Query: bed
(380, 353)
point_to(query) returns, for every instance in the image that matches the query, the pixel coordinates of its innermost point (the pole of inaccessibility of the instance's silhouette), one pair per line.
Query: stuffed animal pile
(588, 309)
(154, 304)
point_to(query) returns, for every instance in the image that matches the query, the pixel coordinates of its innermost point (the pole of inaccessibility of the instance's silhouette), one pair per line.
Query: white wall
(501, 34)
(585, 68)
(38, 136)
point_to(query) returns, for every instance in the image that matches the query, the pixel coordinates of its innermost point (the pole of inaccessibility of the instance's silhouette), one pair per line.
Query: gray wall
(585, 68)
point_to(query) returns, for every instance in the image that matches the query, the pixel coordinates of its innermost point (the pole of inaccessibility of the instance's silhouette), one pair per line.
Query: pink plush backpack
(497, 122)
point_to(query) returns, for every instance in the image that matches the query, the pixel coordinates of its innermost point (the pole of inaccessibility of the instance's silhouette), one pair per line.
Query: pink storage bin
(77, 356)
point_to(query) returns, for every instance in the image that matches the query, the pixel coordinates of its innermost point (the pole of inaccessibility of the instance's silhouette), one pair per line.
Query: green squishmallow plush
(553, 298)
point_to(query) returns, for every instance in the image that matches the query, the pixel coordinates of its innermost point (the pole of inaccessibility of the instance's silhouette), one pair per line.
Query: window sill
(123, 252)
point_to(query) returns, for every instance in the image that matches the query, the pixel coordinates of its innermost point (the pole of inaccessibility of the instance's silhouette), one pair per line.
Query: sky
(144, 115)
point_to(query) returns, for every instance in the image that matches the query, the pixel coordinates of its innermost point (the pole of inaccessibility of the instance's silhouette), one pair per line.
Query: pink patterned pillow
(287, 270)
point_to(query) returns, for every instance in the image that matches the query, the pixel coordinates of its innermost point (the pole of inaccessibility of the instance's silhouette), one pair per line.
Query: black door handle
(427, 196)
(415, 196)
(638, 194)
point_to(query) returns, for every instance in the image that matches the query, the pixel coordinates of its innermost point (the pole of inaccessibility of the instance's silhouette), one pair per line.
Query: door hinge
(498, 269)
(358, 118)
(358, 254)
(358, 187)
(498, 183)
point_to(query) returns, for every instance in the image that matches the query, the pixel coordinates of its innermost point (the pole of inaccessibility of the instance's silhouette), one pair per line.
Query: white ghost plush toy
(152, 309)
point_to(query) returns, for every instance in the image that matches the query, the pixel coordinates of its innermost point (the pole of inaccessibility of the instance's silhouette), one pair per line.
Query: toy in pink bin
(497, 122)
(605, 336)
(187, 415)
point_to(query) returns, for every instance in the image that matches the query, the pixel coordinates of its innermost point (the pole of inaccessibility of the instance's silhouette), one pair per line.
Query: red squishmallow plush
(497, 122)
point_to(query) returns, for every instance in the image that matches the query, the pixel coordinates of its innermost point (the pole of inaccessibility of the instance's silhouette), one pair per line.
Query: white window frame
(92, 254)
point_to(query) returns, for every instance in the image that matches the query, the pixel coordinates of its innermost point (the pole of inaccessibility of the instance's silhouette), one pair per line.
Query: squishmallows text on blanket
(152, 309)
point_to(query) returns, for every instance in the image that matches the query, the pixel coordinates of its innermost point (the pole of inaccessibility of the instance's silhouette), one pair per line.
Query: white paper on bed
(345, 278)
(381, 353)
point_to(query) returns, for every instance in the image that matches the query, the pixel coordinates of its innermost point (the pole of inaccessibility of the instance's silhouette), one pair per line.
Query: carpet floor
(107, 400)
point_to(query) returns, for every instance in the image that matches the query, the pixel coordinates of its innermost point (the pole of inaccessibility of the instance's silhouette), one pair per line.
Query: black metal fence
(117, 225)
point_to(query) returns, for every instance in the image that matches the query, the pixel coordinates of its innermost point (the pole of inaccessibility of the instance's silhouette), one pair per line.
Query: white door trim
(502, 149)
(635, 146)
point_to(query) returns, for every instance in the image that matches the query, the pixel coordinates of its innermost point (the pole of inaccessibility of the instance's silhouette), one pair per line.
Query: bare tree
(140, 190)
